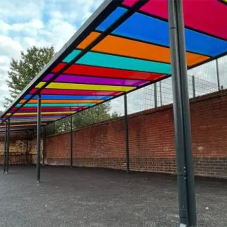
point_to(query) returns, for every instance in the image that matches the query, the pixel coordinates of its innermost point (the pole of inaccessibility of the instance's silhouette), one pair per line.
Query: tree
(85, 118)
(115, 115)
(24, 70)
(93, 115)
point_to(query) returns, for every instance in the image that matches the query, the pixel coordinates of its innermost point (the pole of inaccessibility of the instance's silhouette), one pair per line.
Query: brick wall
(57, 150)
(151, 141)
(22, 148)
(151, 138)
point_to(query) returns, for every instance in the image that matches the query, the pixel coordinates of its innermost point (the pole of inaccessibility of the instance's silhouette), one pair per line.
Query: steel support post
(186, 185)
(5, 151)
(71, 142)
(27, 150)
(38, 138)
(44, 144)
(126, 135)
(8, 146)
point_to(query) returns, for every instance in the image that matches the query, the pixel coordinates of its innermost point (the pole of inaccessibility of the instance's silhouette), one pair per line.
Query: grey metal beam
(186, 185)
(126, 134)
(38, 138)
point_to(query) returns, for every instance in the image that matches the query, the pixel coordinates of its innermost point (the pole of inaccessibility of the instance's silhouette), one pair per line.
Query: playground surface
(85, 197)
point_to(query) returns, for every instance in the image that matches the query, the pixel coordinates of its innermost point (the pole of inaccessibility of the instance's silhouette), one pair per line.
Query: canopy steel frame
(44, 144)
(126, 134)
(158, 80)
(103, 11)
(38, 138)
(27, 148)
(94, 21)
(5, 151)
(7, 147)
(185, 174)
(186, 185)
(71, 141)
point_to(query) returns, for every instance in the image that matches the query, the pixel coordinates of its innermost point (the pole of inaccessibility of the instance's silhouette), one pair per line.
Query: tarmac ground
(85, 197)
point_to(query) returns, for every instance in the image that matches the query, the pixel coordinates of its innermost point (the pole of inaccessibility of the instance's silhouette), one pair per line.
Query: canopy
(122, 47)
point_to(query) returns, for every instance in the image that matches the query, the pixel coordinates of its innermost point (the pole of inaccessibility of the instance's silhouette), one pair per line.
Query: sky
(45, 23)
(24, 23)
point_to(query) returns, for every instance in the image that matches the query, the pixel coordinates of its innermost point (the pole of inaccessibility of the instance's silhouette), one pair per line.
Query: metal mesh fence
(84, 118)
(222, 66)
(202, 80)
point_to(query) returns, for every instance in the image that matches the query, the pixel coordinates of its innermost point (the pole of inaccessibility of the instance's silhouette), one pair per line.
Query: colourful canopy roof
(122, 47)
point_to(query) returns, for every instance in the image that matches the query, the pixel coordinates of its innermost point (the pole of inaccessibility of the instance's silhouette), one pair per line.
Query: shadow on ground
(102, 198)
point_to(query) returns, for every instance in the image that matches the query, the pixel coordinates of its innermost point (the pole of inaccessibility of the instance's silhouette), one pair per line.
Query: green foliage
(115, 115)
(85, 118)
(23, 71)
(92, 115)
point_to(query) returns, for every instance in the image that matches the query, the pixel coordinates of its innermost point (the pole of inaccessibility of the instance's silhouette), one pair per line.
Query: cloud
(41, 23)
(58, 30)
(9, 47)
(22, 10)
(117, 105)
(4, 27)
(30, 28)
(4, 66)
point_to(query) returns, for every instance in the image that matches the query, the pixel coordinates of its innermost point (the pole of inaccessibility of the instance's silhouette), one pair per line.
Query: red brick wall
(22, 148)
(151, 136)
(57, 150)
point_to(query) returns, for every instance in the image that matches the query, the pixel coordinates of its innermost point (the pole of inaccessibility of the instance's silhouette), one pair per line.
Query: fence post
(54, 127)
(218, 75)
(160, 86)
(193, 86)
(155, 96)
